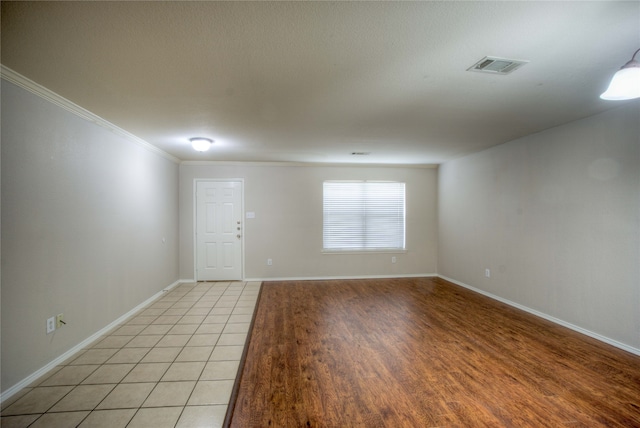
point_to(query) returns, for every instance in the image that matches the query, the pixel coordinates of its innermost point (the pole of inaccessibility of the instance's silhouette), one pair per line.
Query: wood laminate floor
(422, 353)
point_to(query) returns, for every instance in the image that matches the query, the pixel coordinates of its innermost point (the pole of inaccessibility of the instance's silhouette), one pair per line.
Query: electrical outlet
(487, 273)
(60, 320)
(51, 325)
(393, 259)
(269, 262)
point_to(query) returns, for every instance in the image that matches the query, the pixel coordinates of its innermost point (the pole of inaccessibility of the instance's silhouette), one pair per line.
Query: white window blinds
(363, 215)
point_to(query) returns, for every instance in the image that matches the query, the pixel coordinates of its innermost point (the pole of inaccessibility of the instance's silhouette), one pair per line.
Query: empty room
(320, 214)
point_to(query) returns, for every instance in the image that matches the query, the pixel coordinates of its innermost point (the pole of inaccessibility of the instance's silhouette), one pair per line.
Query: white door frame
(195, 224)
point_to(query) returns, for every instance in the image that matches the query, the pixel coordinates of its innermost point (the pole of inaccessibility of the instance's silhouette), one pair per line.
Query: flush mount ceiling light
(625, 84)
(201, 144)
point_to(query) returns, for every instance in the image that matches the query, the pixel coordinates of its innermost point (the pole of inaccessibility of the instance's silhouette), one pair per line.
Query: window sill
(383, 251)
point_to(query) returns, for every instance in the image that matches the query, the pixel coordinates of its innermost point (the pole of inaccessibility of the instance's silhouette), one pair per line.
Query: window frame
(365, 250)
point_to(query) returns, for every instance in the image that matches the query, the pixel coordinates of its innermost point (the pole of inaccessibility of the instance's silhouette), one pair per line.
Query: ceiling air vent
(360, 153)
(492, 64)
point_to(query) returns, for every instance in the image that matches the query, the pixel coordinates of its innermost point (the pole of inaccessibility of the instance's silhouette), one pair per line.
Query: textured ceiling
(315, 81)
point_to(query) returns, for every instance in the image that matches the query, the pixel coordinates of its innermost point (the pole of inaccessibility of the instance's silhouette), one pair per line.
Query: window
(363, 216)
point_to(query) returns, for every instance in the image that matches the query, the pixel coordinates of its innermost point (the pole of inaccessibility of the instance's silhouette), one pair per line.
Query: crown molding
(19, 80)
(309, 164)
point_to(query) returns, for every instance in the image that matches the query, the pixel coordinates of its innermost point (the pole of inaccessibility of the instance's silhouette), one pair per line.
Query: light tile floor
(173, 364)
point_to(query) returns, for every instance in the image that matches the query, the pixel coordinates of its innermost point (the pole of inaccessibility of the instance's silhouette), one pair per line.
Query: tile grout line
(205, 365)
(179, 294)
(174, 360)
(101, 365)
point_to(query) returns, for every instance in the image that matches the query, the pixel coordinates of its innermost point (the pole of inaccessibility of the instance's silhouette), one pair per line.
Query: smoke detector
(495, 65)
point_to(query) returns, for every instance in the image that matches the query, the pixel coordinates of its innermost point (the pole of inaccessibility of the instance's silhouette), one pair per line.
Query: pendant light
(625, 84)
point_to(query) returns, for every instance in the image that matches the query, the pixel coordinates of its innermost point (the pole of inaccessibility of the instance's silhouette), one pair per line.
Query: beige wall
(556, 217)
(287, 202)
(84, 212)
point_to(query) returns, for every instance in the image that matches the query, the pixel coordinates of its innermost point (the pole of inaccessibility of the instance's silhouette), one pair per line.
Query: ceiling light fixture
(201, 144)
(625, 84)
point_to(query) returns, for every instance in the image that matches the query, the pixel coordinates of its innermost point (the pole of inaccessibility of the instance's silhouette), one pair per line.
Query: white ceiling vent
(492, 64)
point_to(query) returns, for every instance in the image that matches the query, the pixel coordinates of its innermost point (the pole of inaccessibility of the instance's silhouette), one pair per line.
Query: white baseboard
(52, 364)
(547, 317)
(42, 371)
(327, 278)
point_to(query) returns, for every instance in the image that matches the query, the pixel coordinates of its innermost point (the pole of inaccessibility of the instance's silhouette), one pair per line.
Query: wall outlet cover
(51, 325)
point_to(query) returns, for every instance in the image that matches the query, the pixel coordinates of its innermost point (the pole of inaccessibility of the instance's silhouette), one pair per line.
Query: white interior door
(218, 230)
